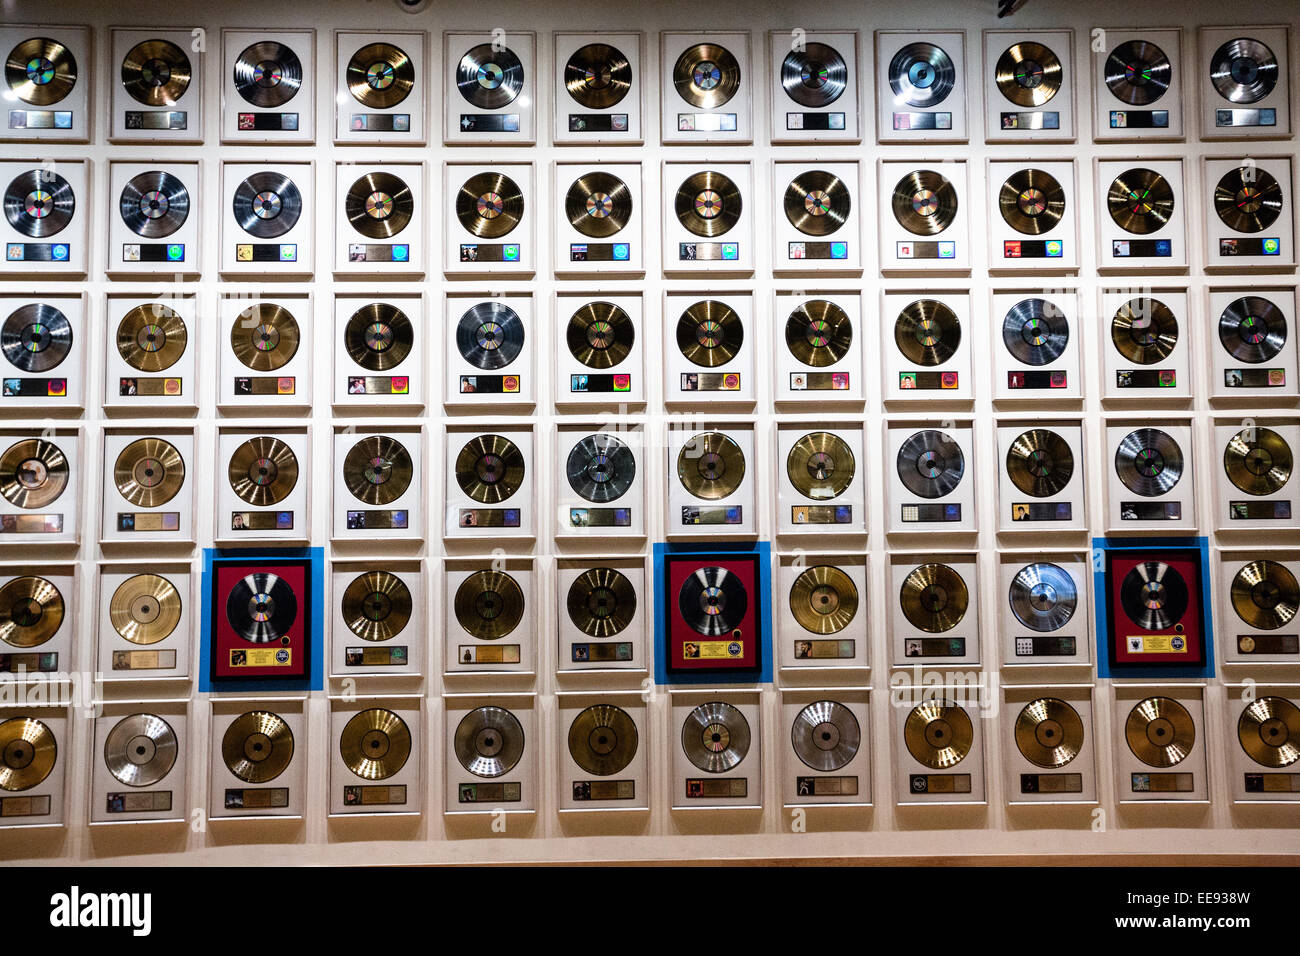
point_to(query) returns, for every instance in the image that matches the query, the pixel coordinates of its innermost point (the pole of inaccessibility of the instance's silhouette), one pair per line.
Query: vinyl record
(938, 734)
(600, 468)
(154, 204)
(1144, 331)
(149, 472)
(28, 752)
(1248, 199)
(267, 205)
(376, 605)
(1035, 332)
(930, 464)
(603, 740)
(261, 607)
(489, 741)
(490, 335)
(817, 202)
(715, 737)
(1049, 732)
(713, 601)
(1028, 74)
(814, 76)
(1269, 731)
(1148, 462)
(710, 466)
(263, 471)
(934, 598)
(820, 466)
(267, 74)
(1032, 201)
(145, 609)
(257, 746)
(597, 76)
(489, 78)
(1252, 329)
(378, 470)
(710, 333)
(40, 71)
(1040, 463)
(1154, 596)
(598, 204)
(489, 604)
(924, 202)
(1160, 732)
(707, 203)
(921, 75)
(489, 205)
(378, 336)
(1137, 72)
(706, 75)
(379, 205)
(151, 338)
(1265, 595)
(156, 72)
(140, 750)
(1258, 460)
(600, 335)
(375, 743)
(823, 599)
(33, 473)
(825, 736)
(1244, 70)
(818, 333)
(380, 76)
(31, 611)
(927, 332)
(36, 337)
(39, 203)
(1140, 200)
(489, 468)
(265, 337)
(601, 602)
(1043, 596)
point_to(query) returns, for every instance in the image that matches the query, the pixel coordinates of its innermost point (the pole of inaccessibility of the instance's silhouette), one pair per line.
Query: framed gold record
(31, 611)
(149, 472)
(145, 609)
(28, 752)
(489, 205)
(938, 734)
(265, 337)
(257, 746)
(820, 466)
(151, 338)
(376, 605)
(489, 604)
(824, 599)
(33, 473)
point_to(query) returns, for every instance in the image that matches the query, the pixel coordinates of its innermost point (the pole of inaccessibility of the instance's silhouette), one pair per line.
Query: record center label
(1273, 510)
(825, 649)
(604, 789)
(1271, 783)
(1051, 783)
(490, 792)
(939, 783)
(37, 251)
(151, 801)
(826, 786)
(731, 788)
(40, 119)
(156, 119)
(1162, 782)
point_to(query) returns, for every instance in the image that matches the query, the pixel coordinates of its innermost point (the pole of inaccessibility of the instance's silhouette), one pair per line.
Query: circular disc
(710, 466)
(262, 471)
(490, 335)
(375, 743)
(28, 752)
(261, 607)
(814, 76)
(267, 74)
(145, 609)
(379, 205)
(1160, 732)
(1028, 74)
(380, 75)
(817, 202)
(597, 76)
(33, 473)
(927, 332)
(489, 468)
(825, 735)
(706, 75)
(1248, 199)
(489, 78)
(489, 205)
(1252, 329)
(1265, 594)
(715, 737)
(149, 472)
(1035, 332)
(31, 611)
(140, 750)
(1040, 463)
(1137, 72)
(820, 466)
(1032, 201)
(40, 71)
(264, 337)
(601, 602)
(938, 734)
(489, 741)
(1148, 462)
(377, 470)
(36, 337)
(710, 333)
(1153, 595)
(818, 333)
(151, 338)
(267, 205)
(1141, 201)
(823, 599)
(713, 601)
(489, 604)
(1258, 460)
(921, 75)
(924, 202)
(598, 204)
(600, 335)
(603, 740)
(1244, 70)
(600, 468)
(930, 464)
(1049, 732)
(707, 203)
(378, 336)
(934, 598)
(257, 746)
(376, 605)
(1043, 597)
(1269, 731)
(156, 72)
(154, 204)
(39, 203)
(1144, 331)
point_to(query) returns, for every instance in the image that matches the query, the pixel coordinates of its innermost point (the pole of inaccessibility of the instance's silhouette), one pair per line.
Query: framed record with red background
(1156, 614)
(261, 618)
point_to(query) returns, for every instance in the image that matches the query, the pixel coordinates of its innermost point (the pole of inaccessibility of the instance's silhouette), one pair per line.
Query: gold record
(706, 75)
(489, 604)
(156, 72)
(1269, 731)
(263, 470)
(378, 336)
(31, 610)
(1265, 594)
(1028, 74)
(924, 202)
(603, 740)
(1160, 732)
(376, 605)
(377, 469)
(145, 609)
(150, 338)
(1049, 732)
(823, 599)
(1140, 201)
(257, 746)
(598, 204)
(1258, 460)
(489, 205)
(1032, 201)
(27, 753)
(1144, 331)
(33, 473)
(710, 466)
(601, 602)
(934, 598)
(597, 76)
(707, 203)
(710, 333)
(40, 71)
(380, 75)
(820, 466)
(938, 734)
(927, 332)
(375, 743)
(817, 203)
(1040, 462)
(379, 205)
(265, 337)
(600, 335)
(489, 468)
(818, 333)
(149, 472)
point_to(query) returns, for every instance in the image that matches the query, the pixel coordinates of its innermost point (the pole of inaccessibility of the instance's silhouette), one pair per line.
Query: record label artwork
(715, 607)
(1154, 608)
(261, 618)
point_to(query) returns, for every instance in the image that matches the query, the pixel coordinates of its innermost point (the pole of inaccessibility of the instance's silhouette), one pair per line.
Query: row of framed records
(493, 346)
(256, 754)
(490, 215)
(816, 84)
